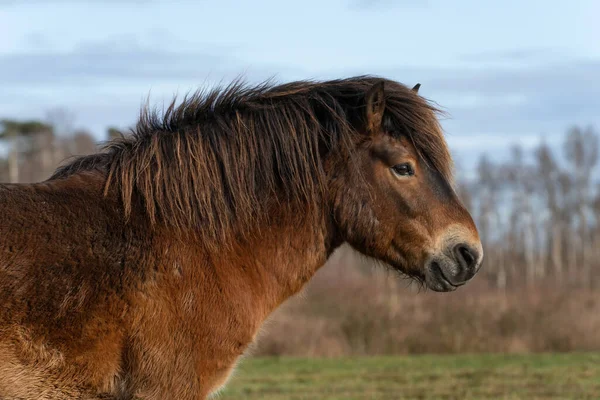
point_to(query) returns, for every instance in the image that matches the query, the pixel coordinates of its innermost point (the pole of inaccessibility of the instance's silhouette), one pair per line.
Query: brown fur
(145, 271)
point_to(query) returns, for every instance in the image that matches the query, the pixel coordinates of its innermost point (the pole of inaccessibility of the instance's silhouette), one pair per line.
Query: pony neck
(274, 263)
(283, 258)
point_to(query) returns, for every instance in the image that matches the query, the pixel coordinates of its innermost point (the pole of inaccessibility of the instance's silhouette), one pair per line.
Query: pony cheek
(359, 226)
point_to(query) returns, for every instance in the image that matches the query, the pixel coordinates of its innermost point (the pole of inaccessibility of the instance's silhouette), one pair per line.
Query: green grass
(543, 376)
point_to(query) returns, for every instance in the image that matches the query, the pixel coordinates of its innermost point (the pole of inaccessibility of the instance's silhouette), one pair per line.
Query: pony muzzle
(453, 267)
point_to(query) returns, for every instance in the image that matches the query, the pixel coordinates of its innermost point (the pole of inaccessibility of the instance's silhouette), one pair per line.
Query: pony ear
(416, 88)
(375, 101)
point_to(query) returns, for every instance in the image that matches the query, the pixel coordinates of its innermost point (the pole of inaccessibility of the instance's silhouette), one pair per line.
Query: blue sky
(506, 71)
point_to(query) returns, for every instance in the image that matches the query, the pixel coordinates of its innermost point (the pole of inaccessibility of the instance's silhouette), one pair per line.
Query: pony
(145, 271)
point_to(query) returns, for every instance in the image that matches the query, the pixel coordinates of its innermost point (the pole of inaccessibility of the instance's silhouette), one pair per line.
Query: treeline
(538, 213)
(30, 150)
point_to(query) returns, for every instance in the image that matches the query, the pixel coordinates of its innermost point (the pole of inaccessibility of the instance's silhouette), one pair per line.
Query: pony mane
(219, 160)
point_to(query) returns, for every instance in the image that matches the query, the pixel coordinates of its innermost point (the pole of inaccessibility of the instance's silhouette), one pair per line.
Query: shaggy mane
(221, 158)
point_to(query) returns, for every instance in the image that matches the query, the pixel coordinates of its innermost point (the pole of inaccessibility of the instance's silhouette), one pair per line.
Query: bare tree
(21, 137)
(581, 151)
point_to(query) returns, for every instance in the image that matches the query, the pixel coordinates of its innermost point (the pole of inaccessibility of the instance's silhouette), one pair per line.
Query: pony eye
(403, 169)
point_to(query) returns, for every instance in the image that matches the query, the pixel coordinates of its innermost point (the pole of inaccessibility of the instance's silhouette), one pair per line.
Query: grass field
(544, 376)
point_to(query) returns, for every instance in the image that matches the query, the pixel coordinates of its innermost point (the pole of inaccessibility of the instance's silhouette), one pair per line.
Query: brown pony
(146, 270)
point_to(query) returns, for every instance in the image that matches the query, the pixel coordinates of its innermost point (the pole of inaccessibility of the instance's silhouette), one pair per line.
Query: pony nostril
(466, 255)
